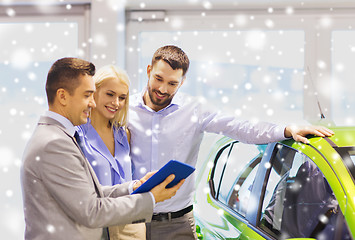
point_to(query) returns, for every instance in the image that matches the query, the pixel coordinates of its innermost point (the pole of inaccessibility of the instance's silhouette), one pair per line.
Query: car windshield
(348, 155)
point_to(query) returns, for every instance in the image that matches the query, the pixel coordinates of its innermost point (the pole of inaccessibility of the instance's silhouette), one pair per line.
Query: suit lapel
(51, 121)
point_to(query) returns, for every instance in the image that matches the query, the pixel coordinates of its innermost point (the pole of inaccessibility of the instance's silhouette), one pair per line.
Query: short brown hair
(65, 73)
(174, 56)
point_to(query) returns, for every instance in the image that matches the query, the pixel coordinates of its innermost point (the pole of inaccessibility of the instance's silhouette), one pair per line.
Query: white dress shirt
(176, 132)
(63, 120)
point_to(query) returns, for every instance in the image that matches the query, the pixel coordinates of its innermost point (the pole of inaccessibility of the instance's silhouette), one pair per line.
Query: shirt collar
(63, 120)
(176, 101)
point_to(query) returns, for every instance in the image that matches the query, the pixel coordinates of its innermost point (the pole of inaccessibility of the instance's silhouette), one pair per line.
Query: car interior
(302, 203)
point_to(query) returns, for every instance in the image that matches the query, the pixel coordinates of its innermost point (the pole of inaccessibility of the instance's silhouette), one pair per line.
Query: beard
(159, 102)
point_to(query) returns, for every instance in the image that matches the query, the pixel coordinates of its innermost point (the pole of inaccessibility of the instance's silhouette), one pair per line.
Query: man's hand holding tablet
(164, 183)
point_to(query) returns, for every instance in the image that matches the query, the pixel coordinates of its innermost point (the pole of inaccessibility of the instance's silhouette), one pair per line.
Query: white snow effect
(267, 165)
(323, 219)
(321, 64)
(50, 228)
(136, 150)
(340, 67)
(10, 12)
(269, 112)
(9, 193)
(225, 99)
(255, 40)
(238, 112)
(120, 27)
(207, 5)
(100, 40)
(176, 23)
(21, 58)
(248, 86)
(148, 132)
(39, 100)
(210, 164)
(289, 10)
(142, 170)
(326, 22)
(7, 156)
(13, 112)
(241, 20)
(32, 76)
(194, 119)
(142, 5)
(127, 158)
(269, 23)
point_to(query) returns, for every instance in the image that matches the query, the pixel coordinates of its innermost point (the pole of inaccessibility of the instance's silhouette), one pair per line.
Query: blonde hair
(113, 72)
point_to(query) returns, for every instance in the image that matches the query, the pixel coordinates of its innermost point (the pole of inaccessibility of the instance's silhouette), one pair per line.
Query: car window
(219, 164)
(298, 200)
(239, 175)
(348, 156)
(282, 162)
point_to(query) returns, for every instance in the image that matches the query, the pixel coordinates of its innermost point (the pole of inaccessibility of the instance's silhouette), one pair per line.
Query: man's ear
(149, 69)
(183, 80)
(62, 96)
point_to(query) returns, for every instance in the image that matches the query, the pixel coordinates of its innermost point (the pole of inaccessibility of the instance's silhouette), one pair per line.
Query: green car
(281, 190)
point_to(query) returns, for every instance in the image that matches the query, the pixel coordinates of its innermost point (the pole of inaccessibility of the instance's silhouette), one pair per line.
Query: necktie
(77, 138)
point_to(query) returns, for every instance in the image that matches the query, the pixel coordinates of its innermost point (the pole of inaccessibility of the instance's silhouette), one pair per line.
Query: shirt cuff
(130, 186)
(130, 190)
(153, 198)
(282, 131)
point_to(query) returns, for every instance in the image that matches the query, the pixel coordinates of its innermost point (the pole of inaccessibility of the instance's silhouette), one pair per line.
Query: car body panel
(218, 221)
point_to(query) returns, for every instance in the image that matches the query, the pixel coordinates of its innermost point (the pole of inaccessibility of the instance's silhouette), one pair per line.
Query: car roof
(343, 137)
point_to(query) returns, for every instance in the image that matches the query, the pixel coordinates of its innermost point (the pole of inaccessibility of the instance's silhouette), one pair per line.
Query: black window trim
(344, 153)
(213, 191)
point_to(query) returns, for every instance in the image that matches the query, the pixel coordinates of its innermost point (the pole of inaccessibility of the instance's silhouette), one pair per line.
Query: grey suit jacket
(62, 196)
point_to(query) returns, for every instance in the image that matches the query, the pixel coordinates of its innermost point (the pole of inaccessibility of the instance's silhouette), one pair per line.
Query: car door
(297, 201)
(231, 183)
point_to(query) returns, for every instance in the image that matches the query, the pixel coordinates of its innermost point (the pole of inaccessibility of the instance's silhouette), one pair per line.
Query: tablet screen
(181, 171)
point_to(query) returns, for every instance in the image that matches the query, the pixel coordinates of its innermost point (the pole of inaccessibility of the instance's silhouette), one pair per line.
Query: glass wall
(282, 65)
(343, 77)
(29, 47)
(250, 74)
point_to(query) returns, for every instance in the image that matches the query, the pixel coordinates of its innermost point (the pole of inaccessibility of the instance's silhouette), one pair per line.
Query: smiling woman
(112, 91)
(105, 138)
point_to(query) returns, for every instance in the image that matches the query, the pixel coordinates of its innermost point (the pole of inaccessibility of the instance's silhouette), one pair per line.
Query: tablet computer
(181, 171)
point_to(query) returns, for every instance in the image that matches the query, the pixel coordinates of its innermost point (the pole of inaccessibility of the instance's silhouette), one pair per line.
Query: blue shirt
(176, 132)
(109, 169)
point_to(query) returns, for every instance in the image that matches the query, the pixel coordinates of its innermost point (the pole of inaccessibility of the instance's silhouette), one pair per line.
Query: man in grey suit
(62, 196)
